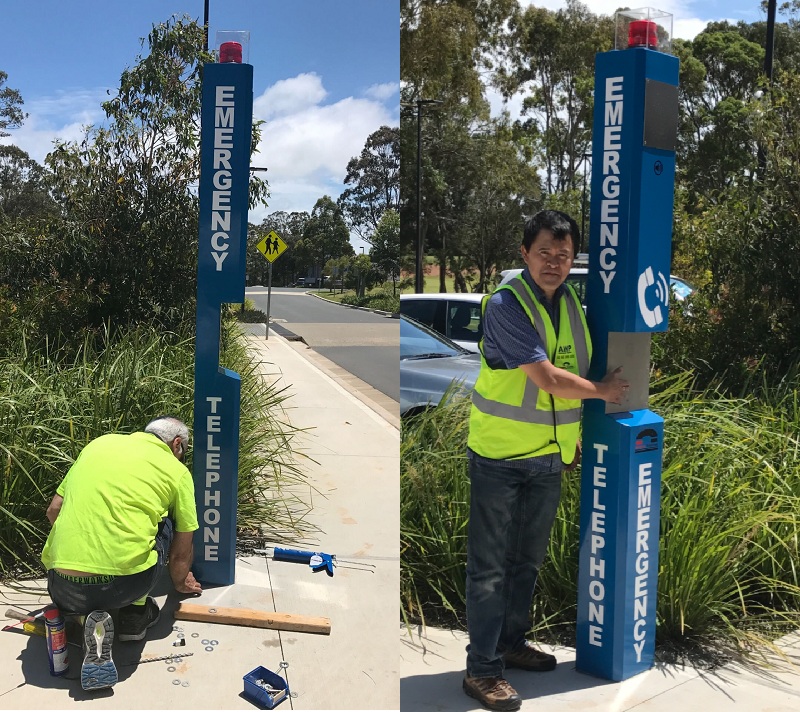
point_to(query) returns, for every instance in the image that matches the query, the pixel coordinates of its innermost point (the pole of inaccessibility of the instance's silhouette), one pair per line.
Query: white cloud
(289, 96)
(689, 29)
(307, 147)
(382, 92)
(62, 116)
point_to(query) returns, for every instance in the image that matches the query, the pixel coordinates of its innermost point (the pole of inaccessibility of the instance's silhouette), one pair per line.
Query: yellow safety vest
(511, 418)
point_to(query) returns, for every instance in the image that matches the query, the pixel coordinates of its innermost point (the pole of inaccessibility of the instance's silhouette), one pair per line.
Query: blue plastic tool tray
(259, 695)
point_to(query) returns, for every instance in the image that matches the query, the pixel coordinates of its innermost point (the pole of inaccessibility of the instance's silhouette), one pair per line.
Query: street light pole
(205, 25)
(769, 53)
(770, 43)
(418, 284)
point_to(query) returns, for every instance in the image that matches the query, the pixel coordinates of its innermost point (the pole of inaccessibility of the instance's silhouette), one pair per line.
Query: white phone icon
(651, 316)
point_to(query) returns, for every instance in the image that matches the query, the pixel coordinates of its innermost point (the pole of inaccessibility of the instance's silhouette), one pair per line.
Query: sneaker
(135, 620)
(98, 670)
(526, 657)
(494, 693)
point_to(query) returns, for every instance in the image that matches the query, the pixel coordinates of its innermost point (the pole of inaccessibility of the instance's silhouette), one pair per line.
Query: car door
(430, 312)
(464, 323)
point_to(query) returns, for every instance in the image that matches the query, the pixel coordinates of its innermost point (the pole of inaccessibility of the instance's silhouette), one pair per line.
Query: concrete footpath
(353, 446)
(432, 668)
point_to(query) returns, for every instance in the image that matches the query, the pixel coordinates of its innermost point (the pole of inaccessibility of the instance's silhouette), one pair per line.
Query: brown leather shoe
(494, 693)
(526, 657)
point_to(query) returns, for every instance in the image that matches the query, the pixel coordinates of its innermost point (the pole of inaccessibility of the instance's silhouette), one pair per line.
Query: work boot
(135, 620)
(526, 657)
(98, 670)
(494, 693)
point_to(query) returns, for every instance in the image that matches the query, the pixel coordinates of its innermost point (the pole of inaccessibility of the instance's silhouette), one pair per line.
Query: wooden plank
(253, 618)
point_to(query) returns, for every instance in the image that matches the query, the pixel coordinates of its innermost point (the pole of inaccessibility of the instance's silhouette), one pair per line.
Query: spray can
(56, 641)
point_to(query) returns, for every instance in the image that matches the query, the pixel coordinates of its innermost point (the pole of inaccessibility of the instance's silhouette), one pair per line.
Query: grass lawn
(431, 285)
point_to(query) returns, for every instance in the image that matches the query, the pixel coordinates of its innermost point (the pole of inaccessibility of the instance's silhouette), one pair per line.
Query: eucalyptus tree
(325, 235)
(550, 61)
(128, 187)
(385, 252)
(448, 49)
(373, 180)
(23, 186)
(11, 114)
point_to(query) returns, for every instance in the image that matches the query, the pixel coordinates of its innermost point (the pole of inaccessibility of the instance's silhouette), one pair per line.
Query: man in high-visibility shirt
(523, 432)
(126, 504)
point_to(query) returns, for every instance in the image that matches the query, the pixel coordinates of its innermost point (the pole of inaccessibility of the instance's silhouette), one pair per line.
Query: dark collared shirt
(509, 339)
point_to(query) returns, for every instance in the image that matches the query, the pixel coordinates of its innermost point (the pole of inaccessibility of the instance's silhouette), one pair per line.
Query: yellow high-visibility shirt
(115, 495)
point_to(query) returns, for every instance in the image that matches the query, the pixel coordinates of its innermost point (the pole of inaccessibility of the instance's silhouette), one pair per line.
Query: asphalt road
(361, 342)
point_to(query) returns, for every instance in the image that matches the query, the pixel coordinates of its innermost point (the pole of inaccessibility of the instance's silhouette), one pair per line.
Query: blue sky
(326, 75)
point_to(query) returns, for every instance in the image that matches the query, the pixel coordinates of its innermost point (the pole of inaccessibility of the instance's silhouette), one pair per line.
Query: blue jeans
(511, 513)
(118, 591)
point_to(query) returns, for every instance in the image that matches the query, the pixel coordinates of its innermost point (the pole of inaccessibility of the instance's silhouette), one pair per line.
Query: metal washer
(176, 681)
(210, 648)
(171, 668)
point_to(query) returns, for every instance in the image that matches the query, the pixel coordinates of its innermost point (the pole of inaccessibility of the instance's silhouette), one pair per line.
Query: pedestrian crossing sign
(271, 246)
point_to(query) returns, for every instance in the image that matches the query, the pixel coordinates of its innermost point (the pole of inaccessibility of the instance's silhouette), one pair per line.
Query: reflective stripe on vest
(527, 411)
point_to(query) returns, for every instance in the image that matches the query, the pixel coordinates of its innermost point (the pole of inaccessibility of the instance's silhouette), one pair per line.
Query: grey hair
(167, 428)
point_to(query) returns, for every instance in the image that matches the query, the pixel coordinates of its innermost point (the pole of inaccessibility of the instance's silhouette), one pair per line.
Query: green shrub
(730, 521)
(49, 410)
(382, 299)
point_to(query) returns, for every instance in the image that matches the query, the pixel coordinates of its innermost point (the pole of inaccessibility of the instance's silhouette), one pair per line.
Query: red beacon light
(230, 52)
(643, 33)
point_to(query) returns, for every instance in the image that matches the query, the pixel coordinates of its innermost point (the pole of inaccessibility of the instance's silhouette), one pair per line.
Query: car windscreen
(680, 288)
(417, 342)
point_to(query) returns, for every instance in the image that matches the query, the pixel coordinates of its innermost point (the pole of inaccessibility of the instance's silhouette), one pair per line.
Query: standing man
(126, 503)
(523, 432)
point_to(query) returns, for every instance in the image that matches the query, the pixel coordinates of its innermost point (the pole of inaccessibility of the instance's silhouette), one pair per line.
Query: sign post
(226, 125)
(627, 296)
(272, 247)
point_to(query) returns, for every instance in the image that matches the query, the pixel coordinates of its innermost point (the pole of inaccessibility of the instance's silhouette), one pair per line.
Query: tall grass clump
(50, 409)
(434, 511)
(730, 515)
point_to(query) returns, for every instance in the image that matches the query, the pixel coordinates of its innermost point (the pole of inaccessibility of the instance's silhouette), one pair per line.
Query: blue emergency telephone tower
(627, 296)
(227, 119)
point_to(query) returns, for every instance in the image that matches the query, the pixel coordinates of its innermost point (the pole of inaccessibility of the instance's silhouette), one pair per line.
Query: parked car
(456, 316)
(429, 364)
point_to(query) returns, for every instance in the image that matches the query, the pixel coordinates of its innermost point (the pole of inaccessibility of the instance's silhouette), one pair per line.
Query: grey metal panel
(660, 115)
(632, 352)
